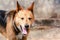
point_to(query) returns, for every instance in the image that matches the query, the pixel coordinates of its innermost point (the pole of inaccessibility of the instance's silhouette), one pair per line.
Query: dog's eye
(29, 18)
(22, 18)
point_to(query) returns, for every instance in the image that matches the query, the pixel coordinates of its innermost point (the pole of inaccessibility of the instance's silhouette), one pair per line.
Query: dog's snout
(26, 26)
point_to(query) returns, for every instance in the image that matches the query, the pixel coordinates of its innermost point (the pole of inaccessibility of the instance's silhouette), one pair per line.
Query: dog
(18, 23)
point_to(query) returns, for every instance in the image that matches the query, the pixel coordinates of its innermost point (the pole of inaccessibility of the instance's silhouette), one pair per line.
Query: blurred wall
(42, 8)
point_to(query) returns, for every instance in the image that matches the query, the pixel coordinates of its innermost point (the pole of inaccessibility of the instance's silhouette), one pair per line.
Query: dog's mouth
(23, 31)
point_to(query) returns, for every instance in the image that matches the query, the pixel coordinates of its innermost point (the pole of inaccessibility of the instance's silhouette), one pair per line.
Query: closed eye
(29, 18)
(22, 18)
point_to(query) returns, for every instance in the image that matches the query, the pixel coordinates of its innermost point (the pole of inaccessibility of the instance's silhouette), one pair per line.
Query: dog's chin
(24, 35)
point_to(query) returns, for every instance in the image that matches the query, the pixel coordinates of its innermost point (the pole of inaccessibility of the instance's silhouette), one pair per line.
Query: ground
(50, 34)
(41, 10)
(42, 34)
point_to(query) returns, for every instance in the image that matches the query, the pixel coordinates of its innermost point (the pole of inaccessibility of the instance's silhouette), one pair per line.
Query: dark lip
(24, 34)
(21, 27)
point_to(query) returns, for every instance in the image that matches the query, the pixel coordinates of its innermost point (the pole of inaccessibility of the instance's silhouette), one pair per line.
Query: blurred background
(46, 12)
(43, 9)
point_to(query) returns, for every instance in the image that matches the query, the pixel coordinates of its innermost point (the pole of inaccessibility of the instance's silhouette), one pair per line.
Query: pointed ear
(31, 7)
(18, 7)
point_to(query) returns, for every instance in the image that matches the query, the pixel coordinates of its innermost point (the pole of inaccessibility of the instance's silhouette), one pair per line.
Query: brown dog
(18, 23)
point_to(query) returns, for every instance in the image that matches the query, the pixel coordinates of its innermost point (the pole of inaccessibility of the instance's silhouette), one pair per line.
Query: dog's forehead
(24, 13)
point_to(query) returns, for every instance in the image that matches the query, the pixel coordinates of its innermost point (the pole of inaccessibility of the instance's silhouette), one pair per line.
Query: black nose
(27, 26)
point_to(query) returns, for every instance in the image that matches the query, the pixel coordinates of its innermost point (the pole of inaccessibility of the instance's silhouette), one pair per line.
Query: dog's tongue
(24, 31)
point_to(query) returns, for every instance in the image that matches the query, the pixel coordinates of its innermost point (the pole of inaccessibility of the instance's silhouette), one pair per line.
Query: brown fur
(10, 32)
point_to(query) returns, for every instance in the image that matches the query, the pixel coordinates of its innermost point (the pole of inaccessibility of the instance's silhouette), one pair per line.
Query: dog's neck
(17, 31)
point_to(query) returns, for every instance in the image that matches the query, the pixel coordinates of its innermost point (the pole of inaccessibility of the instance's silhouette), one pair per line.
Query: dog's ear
(31, 7)
(18, 7)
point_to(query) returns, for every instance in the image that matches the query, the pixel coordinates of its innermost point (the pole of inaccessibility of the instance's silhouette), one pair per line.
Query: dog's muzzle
(24, 29)
(26, 26)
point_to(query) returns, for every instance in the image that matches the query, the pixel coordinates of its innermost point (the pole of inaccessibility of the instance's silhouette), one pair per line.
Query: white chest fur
(19, 36)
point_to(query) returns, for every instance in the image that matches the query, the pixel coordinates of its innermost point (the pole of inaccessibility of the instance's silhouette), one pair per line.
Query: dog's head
(24, 18)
